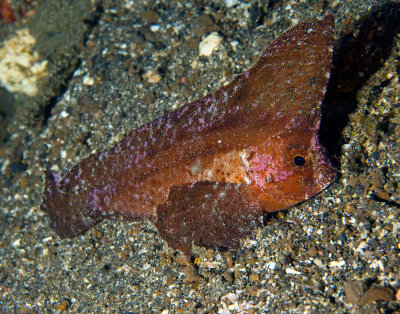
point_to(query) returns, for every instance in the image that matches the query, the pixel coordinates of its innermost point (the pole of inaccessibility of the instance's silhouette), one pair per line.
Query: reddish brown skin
(6, 12)
(207, 172)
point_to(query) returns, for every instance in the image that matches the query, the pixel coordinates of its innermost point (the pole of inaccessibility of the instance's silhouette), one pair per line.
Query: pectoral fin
(209, 214)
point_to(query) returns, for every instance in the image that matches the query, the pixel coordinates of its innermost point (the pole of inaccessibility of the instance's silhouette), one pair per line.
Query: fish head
(289, 171)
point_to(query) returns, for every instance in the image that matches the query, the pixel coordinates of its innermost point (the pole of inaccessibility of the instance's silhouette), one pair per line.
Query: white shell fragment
(20, 65)
(209, 44)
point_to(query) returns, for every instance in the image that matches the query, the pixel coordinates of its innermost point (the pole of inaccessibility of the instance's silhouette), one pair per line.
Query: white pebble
(291, 271)
(155, 28)
(230, 3)
(209, 44)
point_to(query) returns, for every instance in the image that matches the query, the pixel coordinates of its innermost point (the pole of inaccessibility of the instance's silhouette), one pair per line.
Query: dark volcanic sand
(123, 63)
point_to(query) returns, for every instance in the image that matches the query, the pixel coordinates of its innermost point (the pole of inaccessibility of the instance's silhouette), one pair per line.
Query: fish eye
(299, 161)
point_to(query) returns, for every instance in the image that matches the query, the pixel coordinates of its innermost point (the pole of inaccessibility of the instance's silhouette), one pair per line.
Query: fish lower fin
(209, 214)
(70, 213)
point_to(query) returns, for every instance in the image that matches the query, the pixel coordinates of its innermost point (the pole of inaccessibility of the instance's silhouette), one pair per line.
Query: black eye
(299, 161)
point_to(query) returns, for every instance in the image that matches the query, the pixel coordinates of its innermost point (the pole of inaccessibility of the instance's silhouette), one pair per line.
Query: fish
(207, 173)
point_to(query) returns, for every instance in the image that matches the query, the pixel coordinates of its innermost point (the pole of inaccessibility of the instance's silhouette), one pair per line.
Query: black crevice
(91, 22)
(358, 54)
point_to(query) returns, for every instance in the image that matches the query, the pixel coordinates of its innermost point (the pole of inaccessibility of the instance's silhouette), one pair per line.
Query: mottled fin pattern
(210, 214)
(70, 213)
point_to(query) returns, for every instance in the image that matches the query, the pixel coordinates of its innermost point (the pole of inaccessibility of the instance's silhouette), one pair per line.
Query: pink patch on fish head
(267, 167)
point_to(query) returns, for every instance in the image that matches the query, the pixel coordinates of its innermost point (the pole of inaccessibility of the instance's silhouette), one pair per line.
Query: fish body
(208, 171)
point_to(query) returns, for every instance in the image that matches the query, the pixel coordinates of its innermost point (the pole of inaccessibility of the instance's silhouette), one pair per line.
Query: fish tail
(70, 213)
